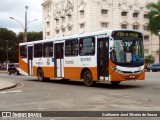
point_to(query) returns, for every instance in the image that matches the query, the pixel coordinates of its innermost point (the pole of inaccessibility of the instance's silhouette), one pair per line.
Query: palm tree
(154, 17)
(149, 59)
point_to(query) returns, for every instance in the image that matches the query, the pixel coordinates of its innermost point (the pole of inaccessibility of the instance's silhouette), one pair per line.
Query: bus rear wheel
(40, 75)
(88, 79)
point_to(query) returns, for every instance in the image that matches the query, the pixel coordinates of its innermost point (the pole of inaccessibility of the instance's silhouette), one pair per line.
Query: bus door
(59, 59)
(30, 60)
(103, 58)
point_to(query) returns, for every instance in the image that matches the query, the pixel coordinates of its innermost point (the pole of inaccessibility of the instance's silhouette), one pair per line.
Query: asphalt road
(32, 95)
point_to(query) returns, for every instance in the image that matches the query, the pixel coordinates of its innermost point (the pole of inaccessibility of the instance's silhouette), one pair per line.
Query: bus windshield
(128, 50)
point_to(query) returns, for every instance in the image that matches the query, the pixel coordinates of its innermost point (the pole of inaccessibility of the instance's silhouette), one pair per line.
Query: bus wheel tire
(87, 78)
(115, 83)
(40, 75)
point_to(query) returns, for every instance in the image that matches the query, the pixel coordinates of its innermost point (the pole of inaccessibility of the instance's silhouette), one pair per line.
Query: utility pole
(7, 54)
(25, 28)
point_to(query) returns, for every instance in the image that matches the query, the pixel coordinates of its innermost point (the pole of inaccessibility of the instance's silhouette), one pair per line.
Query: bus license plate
(132, 76)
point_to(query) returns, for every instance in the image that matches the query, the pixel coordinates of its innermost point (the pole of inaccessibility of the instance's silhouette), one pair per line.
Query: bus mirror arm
(111, 49)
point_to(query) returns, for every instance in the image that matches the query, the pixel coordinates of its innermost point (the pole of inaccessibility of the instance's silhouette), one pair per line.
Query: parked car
(13, 69)
(154, 68)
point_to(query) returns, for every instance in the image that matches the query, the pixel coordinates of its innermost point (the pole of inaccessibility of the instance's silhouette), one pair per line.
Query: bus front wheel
(88, 79)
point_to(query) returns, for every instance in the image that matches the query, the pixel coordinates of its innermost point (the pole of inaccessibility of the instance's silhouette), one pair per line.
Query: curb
(3, 72)
(12, 86)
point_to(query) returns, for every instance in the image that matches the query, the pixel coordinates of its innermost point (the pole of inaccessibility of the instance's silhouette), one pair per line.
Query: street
(32, 95)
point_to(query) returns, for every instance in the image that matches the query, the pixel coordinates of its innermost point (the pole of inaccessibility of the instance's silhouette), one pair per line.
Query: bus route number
(126, 34)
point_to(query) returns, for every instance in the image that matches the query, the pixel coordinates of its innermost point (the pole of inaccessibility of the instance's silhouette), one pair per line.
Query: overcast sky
(16, 9)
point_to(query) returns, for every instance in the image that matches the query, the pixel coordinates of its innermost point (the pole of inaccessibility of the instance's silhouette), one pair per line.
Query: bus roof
(76, 36)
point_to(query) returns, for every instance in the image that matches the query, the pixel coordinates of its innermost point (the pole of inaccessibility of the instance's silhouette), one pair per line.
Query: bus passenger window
(38, 50)
(71, 47)
(48, 49)
(87, 46)
(23, 51)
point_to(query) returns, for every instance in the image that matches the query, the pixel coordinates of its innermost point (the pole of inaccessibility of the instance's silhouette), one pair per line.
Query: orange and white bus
(110, 55)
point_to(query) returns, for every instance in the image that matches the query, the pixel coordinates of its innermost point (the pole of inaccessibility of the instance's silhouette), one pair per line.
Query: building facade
(68, 17)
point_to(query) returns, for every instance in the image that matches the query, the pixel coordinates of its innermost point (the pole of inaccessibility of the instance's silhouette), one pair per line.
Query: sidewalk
(3, 72)
(6, 84)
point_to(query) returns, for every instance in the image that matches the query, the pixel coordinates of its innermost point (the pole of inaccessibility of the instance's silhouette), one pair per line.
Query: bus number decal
(69, 62)
(85, 59)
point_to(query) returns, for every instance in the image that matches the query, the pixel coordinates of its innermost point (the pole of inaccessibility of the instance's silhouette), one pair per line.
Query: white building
(68, 17)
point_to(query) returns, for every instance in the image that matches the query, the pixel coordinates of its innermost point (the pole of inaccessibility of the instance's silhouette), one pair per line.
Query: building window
(145, 28)
(135, 15)
(48, 24)
(38, 50)
(69, 17)
(123, 13)
(48, 33)
(71, 47)
(82, 13)
(146, 51)
(82, 25)
(48, 49)
(104, 25)
(124, 26)
(63, 19)
(87, 46)
(57, 31)
(135, 27)
(145, 16)
(63, 30)
(57, 21)
(104, 12)
(70, 28)
(146, 37)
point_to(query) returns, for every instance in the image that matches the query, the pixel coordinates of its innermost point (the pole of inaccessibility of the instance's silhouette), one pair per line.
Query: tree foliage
(31, 36)
(150, 59)
(154, 17)
(6, 34)
(9, 43)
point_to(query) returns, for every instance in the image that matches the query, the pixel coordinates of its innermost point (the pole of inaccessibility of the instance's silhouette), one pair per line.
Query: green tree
(31, 36)
(154, 17)
(149, 59)
(8, 45)
(6, 34)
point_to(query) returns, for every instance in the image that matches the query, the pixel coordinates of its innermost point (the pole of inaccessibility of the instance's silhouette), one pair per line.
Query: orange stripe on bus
(23, 65)
(75, 72)
(48, 71)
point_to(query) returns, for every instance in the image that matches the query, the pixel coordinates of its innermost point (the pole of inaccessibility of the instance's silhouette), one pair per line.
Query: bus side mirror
(111, 46)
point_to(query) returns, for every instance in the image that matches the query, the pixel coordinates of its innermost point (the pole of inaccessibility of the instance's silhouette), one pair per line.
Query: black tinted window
(48, 49)
(23, 51)
(87, 46)
(71, 48)
(38, 50)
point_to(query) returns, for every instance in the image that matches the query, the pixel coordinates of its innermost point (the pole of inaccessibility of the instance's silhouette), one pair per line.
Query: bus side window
(23, 51)
(71, 48)
(38, 50)
(87, 46)
(48, 49)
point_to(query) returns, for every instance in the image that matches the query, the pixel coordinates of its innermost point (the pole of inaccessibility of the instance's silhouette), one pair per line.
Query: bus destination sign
(130, 34)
